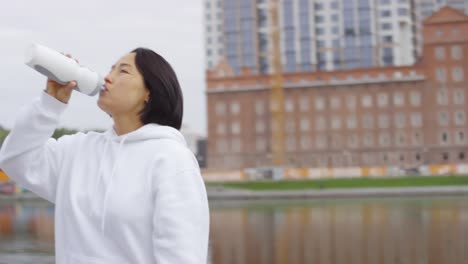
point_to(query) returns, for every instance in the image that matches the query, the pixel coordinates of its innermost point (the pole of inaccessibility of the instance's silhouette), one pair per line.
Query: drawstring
(106, 195)
(103, 156)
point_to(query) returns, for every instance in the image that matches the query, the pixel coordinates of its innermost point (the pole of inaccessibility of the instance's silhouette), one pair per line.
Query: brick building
(399, 116)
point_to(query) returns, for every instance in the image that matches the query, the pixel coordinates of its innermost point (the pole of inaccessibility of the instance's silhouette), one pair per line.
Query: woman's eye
(123, 71)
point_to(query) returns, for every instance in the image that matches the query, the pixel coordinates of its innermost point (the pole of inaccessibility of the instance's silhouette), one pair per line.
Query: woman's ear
(147, 96)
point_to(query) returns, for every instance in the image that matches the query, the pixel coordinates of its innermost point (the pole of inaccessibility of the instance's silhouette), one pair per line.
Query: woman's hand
(59, 91)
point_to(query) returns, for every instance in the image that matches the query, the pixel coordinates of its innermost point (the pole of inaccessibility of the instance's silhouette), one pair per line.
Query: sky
(98, 33)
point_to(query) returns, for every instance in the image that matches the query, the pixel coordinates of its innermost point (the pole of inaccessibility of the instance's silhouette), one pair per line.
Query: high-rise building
(316, 35)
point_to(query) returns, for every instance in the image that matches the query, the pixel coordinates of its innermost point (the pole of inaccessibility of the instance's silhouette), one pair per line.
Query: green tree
(3, 135)
(59, 132)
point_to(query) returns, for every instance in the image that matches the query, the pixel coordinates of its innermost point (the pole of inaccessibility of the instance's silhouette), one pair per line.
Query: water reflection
(413, 231)
(352, 232)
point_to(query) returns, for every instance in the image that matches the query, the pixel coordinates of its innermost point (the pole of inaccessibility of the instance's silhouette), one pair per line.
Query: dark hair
(165, 104)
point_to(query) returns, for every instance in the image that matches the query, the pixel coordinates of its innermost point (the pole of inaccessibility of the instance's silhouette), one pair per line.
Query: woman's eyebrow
(121, 65)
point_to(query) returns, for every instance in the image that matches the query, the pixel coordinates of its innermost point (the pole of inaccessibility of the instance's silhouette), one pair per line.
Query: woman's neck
(125, 124)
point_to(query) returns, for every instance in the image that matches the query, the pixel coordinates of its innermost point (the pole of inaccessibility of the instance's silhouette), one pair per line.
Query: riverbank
(346, 183)
(221, 193)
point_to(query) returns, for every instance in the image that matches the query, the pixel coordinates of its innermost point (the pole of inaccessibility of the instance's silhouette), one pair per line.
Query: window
(336, 123)
(445, 156)
(235, 128)
(260, 144)
(319, 103)
(368, 159)
(459, 118)
(305, 143)
(319, 19)
(220, 108)
(351, 102)
(457, 52)
(318, 6)
(351, 122)
(335, 103)
(291, 144)
(386, 26)
(236, 145)
(260, 127)
(415, 98)
(289, 107)
(336, 141)
(459, 97)
(305, 125)
(460, 137)
(368, 121)
(441, 74)
(368, 140)
(367, 101)
(457, 74)
(235, 108)
(335, 18)
(416, 120)
(386, 13)
(440, 53)
(221, 128)
(442, 97)
(398, 99)
(400, 120)
(353, 141)
(382, 100)
(402, 11)
(259, 107)
(417, 138)
(384, 139)
(384, 121)
(444, 138)
(304, 104)
(320, 31)
(400, 138)
(290, 126)
(443, 118)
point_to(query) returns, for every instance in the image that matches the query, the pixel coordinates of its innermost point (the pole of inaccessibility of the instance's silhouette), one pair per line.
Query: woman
(133, 194)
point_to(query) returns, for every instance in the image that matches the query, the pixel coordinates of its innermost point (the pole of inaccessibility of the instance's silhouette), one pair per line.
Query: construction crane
(276, 93)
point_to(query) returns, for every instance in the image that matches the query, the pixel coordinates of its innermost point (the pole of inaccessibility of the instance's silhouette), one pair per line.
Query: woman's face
(125, 93)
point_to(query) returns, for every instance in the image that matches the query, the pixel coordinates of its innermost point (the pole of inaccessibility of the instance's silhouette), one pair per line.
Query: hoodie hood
(147, 132)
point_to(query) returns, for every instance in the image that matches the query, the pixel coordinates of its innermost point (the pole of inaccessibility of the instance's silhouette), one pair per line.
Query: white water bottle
(62, 69)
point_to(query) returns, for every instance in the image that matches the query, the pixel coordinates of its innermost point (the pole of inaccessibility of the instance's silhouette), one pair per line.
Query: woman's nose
(108, 78)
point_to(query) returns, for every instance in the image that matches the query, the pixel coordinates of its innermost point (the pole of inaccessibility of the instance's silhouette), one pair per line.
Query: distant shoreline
(220, 193)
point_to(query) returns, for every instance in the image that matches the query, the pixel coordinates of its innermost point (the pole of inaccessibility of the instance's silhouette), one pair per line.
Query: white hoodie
(131, 199)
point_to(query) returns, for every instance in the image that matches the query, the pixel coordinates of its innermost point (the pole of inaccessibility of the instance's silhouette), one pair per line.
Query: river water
(344, 231)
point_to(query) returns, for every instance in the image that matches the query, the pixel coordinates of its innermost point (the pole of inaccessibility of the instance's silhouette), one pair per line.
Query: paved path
(219, 193)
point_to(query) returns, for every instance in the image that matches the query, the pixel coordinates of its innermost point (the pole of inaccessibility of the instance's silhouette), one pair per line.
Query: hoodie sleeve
(181, 219)
(29, 156)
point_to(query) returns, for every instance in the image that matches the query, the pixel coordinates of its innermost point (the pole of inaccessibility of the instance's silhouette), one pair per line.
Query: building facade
(323, 35)
(425, 8)
(403, 116)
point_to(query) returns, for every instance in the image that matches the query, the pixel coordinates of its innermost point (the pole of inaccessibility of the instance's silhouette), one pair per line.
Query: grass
(418, 181)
